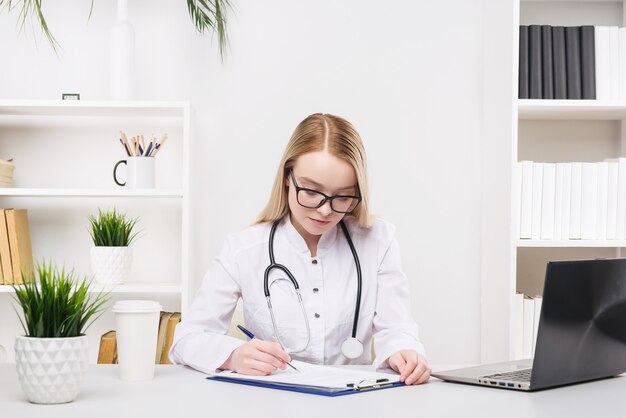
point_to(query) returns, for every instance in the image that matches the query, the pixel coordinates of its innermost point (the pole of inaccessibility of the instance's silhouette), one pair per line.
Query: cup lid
(132, 306)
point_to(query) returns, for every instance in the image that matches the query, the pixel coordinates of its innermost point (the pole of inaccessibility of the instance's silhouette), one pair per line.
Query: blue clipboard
(313, 390)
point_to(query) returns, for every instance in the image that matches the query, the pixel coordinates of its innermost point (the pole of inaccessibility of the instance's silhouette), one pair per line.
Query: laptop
(581, 335)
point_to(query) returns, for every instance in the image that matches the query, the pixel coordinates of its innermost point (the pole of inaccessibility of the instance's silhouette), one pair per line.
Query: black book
(524, 92)
(534, 62)
(558, 62)
(546, 62)
(572, 55)
(588, 62)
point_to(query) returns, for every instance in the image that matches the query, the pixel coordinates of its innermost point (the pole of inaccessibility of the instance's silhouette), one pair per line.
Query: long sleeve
(394, 327)
(200, 341)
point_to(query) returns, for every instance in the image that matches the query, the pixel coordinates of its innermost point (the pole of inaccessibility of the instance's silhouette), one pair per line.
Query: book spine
(534, 62)
(622, 63)
(603, 63)
(536, 201)
(611, 207)
(621, 199)
(526, 213)
(588, 62)
(602, 206)
(538, 301)
(5, 250)
(572, 54)
(523, 85)
(558, 200)
(614, 57)
(567, 201)
(574, 224)
(519, 326)
(547, 201)
(19, 243)
(559, 62)
(529, 315)
(588, 200)
(546, 62)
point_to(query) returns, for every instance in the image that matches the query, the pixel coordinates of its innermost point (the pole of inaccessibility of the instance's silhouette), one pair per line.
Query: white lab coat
(328, 285)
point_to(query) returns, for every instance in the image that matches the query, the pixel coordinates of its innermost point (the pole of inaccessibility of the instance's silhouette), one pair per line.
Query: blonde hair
(320, 132)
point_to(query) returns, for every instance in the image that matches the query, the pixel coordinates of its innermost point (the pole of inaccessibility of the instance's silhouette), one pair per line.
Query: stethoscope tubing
(359, 280)
(273, 265)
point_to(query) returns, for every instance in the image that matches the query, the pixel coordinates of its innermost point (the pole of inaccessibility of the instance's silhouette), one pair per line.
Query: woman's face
(322, 172)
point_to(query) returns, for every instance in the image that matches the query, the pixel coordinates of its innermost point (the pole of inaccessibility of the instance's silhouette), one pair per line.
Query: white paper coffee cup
(137, 326)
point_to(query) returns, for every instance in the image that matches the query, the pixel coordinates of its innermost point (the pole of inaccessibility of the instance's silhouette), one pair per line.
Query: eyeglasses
(312, 199)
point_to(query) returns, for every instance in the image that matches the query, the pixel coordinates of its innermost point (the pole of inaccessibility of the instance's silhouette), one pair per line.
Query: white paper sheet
(319, 376)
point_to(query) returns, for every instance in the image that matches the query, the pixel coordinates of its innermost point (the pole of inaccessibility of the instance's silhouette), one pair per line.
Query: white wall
(407, 74)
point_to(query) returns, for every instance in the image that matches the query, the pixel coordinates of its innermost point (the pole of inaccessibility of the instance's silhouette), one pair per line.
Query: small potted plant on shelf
(111, 256)
(52, 356)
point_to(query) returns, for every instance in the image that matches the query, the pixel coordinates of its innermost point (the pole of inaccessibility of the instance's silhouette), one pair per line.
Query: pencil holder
(139, 173)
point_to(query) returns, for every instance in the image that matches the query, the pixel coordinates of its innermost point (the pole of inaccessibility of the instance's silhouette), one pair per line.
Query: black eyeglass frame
(326, 197)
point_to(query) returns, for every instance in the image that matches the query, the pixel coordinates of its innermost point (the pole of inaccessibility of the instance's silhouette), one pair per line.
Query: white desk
(179, 392)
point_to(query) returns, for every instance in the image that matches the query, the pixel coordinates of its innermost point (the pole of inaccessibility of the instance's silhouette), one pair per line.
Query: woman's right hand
(257, 358)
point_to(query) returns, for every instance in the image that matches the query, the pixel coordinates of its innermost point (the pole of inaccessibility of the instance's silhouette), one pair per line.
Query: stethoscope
(351, 347)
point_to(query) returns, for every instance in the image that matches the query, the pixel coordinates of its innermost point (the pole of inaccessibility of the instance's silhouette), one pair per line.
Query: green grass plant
(56, 304)
(112, 229)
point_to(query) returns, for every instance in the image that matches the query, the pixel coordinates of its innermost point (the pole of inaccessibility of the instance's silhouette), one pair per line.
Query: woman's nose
(325, 209)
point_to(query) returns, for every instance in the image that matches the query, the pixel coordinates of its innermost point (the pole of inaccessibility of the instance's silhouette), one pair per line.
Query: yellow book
(5, 252)
(165, 316)
(19, 243)
(171, 327)
(108, 348)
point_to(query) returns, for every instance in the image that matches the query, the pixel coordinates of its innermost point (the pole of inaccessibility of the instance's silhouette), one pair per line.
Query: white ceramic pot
(50, 370)
(111, 265)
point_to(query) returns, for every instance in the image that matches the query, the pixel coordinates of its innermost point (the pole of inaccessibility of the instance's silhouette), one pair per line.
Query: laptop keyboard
(516, 376)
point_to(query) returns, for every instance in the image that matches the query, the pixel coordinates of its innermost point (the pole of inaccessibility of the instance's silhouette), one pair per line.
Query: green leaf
(55, 303)
(112, 229)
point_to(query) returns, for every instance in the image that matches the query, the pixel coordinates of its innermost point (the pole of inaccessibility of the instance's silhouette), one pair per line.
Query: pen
(251, 336)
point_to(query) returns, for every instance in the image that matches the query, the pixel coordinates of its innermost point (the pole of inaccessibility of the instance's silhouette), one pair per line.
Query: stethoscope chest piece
(352, 348)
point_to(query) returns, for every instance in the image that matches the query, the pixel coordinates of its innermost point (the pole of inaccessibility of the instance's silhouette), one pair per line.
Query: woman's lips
(318, 222)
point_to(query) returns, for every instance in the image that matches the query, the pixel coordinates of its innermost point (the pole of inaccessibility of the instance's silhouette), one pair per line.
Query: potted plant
(111, 256)
(51, 357)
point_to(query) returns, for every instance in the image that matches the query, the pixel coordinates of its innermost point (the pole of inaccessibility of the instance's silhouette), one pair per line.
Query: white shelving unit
(64, 153)
(539, 130)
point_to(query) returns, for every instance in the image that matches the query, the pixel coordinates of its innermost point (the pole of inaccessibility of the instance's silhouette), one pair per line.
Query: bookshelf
(539, 130)
(64, 152)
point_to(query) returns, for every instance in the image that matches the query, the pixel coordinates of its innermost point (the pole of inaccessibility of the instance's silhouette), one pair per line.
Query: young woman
(318, 276)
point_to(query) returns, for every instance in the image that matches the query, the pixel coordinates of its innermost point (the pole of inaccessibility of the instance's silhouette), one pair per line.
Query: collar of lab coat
(297, 242)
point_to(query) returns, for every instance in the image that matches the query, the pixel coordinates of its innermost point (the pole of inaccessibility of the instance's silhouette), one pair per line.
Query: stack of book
(572, 62)
(167, 324)
(528, 312)
(564, 201)
(16, 254)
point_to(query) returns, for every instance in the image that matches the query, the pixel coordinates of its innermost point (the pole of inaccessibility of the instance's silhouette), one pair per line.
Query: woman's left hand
(411, 365)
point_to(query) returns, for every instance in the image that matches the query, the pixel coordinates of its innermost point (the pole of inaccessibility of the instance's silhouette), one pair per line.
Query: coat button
(317, 315)
(314, 261)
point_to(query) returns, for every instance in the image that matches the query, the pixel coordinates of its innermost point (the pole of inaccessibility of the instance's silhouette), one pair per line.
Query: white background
(407, 74)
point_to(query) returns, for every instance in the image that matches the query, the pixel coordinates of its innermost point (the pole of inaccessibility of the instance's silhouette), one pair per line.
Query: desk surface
(177, 391)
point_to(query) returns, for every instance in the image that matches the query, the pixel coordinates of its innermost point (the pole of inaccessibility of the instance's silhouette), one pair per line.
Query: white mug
(139, 172)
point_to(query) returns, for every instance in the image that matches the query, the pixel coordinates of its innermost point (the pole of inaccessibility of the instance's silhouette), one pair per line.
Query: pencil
(158, 146)
(125, 147)
(127, 144)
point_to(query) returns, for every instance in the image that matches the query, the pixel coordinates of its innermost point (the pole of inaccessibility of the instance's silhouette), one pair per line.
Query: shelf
(572, 109)
(92, 108)
(530, 243)
(123, 288)
(148, 193)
